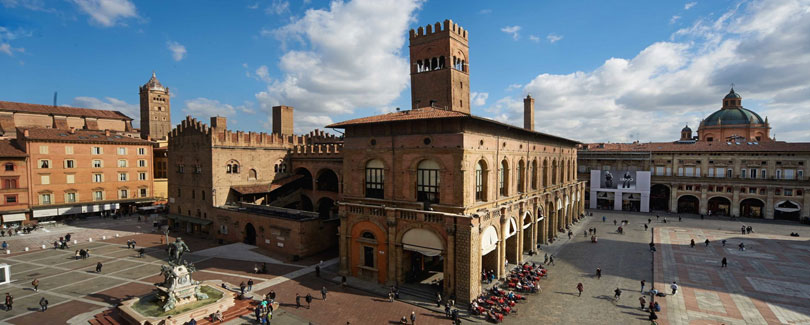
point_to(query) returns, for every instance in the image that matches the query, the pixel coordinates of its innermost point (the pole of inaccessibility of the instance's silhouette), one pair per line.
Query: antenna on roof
(54, 98)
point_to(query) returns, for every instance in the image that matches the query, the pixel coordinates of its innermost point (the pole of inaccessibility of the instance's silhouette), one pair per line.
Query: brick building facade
(13, 183)
(731, 167)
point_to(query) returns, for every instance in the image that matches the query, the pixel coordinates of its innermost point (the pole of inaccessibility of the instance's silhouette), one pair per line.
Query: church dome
(733, 113)
(732, 94)
(686, 129)
(153, 83)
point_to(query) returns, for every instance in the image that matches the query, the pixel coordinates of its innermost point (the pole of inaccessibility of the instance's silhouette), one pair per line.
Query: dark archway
(327, 181)
(250, 234)
(719, 205)
(326, 208)
(786, 210)
(306, 181)
(751, 208)
(659, 197)
(688, 204)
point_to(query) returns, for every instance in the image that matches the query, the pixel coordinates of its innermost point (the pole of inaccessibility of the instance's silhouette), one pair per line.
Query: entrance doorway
(631, 202)
(422, 258)
(250, 234)
(751, 208)
(528, 230)
(688, 204)
(489, 250)
(787, 210)
(719, 205)
(604, 200)
(659, 197)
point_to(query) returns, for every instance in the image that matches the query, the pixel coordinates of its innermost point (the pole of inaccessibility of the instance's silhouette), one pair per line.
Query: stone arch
(481, 180)
(719, 205)
(660, 197)
(529, 230)
(327, 180)
(326, 208)
(490, 237)
(545, 173)
(688, 203)
(787, 210)
(422, 251)
(306, 178)
(367, 254)
(752, 208)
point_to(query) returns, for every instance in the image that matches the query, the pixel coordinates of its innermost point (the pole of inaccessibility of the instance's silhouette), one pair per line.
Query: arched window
(480, 181)
(368, 235)
(252, 174)
(503, 182)
(441, 62)
(545, 173)
(554, 172)
(520, 172)
(427, 181)
(375, 179)
(434, 64)
(533, 173)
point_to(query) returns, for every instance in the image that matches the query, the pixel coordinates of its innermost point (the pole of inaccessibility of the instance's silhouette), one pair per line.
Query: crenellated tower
(440, 74)
(155, 110)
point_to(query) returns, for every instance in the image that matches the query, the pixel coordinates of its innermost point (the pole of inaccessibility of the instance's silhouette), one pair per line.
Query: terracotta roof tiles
(701, 146)
(416, 114)
(8, 148)
(86, 136)
(61, 110)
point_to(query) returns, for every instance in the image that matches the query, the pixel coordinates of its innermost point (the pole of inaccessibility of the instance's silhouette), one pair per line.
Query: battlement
(224, 137)
(438, 28)
(318, 150)
(319, 136)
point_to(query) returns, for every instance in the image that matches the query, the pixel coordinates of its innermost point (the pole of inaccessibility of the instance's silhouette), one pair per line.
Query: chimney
(219, 122)
(528, 113)
(25, 133)
(107, 132)
(72, 130)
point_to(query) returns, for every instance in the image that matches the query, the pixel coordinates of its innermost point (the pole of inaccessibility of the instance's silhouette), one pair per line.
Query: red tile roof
(416, 114)
(264, 187)
(61, 110)
(8, 148)
(86, 136)
(701, 146)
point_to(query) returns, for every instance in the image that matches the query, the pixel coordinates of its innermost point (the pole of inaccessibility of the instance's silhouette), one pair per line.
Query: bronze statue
(176, 251)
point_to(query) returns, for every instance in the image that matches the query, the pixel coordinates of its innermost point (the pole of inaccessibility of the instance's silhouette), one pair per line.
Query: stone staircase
(242, 307)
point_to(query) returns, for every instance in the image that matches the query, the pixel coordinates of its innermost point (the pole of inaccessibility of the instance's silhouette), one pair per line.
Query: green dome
(733, 116)
(733, 94)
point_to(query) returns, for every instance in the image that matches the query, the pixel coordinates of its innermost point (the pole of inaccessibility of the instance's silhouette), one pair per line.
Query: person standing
(674, 287)
(9, 301)
(78, 255)
(250, 285)
(551, 260)
(35, 284)
(604, 218)
(317, 271)
(692, 243)
(643, 283)
(297, 300)
(438, 299)
(257, 312)
(390, 296)
(724, 242)
(43, 304)
(98, 267)
(642, 301)
(645, 227)
(580, 288)
(308, 298)
(724, 262)
(413, 317)
(598, 273)
(706, 242)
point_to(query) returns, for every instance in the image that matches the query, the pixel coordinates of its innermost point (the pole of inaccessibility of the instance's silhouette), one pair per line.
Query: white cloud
(350, 59)
(7, 35)
(36, 5)
(553, 38)
(478, 99)
(485, 11)
(263, 73)
(204, 108)
(534, 38)
(177, 49)
(278, 7)
(254, 6)
(107, 13)
(674, 19)
(763, 46)
(512, 30)
(112, 104)
(689, 5)
(513, 87)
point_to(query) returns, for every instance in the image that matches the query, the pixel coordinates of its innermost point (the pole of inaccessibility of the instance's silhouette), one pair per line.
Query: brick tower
(155, 110)
(440, 74)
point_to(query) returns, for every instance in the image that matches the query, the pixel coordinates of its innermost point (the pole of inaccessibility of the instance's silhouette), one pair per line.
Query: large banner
(618, 179)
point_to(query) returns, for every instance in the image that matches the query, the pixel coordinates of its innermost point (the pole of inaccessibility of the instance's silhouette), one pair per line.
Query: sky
(600, 71)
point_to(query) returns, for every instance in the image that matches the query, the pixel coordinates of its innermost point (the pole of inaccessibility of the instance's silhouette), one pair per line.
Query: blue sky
(599, 70)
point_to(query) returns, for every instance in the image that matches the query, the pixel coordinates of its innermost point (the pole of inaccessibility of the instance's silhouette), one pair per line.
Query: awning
(189, 219)
(152, 207)
(70, 210)
(787, 206)
(264, 187)
(512, 228)
(489, 240)
(14, 217)
(45, 213)
(422, 241)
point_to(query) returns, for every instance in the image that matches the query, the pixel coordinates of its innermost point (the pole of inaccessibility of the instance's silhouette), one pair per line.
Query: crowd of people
(497, 303)
(11, 231)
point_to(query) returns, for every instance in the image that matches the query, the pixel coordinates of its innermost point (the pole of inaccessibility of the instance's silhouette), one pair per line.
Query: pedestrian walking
(580, 288)
(242, 288)
(9, 301)
(617, 294)
(674, 287)
(706, 242)
(642, 301)
(98, 267)
(598, 273)
(645, 227)
(680, 219)
(257, 312)
(250, 285)
(318, 271)
(584, 233)
(545, 258)
(323, 293)
(692, 243)
(255, 268)
(35, 284)
(551, 260)
(413, 317)
(447, 310)
(390, 296)
(614, 222)
(749, 230)
(438, 299)
(604, 218)
(141, 252)
(724, 242)
(724, 262)
(308, 298)
(741, 246)
(742, 229)
(570, 233)
(643, 283)
(43, 304)
(649, 221)
(297, 300)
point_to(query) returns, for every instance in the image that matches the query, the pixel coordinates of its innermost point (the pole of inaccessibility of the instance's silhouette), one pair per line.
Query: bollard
(8, 251)
(75, 242)
(103, 237)
(43, 246)
(26, 249)
(90, 239)
(116, 235)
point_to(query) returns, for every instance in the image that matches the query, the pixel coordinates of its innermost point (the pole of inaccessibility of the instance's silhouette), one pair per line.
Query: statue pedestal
(131, 316)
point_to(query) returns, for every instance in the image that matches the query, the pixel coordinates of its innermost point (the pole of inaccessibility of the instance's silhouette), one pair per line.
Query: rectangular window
(98, 178)
(70, 197)
(778, 174)
(143, 192)
(98, 163)
(70, 179)
(123, 177)
(711, 172)
(122, 163)
(70, 163)
(44, 199)
(44, 179)
(96, 150)
(742, 173)
(690, 171)
(43, 149)
(800, 174)
(669, 171)
(10, 167)
(68, 150)
(730, 173)
(10, 183)
(753, 173)
(122, 151)
(697, 172)
(680, 171)
(375, 183)
(788, 192)
(763, 173)
(368, 256)
(660, 170)
(123, 194)
(752, 190)
(790, 174)
(44, 163)
(11, 199)
(98, 195)
(141, 163)
(479, 185)
(427, 189)
(141, 176)
(141, 151)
